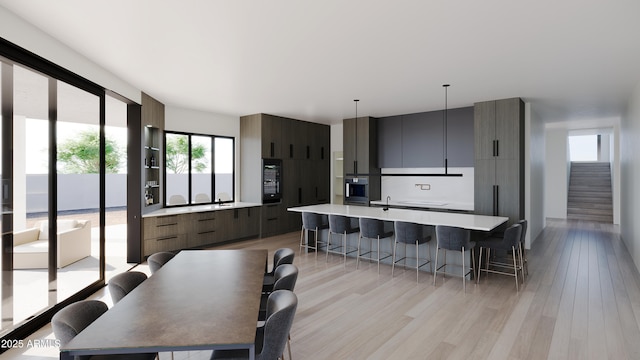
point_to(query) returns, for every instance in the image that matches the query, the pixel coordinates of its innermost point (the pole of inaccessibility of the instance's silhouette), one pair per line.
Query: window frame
(190, 174)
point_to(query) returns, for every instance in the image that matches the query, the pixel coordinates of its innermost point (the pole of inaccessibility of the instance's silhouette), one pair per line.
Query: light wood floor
(581, 301)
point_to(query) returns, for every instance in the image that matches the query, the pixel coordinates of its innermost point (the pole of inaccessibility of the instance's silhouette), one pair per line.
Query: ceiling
(309, 59)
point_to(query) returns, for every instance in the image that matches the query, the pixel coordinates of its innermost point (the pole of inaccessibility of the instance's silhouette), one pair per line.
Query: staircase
(590, 196)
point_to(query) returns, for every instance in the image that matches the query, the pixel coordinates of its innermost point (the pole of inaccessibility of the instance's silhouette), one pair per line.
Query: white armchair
(30, 246)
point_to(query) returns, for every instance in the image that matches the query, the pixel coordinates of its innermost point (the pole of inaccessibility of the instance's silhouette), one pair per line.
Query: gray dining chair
(157, 260)
(410, 233)
(340, 225)
(271, 338)
(509, 243)
(121, 284)
(280, 256)
(73, 318)
(454, 239)
(372, 229)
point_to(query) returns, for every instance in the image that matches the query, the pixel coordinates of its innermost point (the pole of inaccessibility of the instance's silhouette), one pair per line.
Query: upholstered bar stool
(312, 222)
(340, 225)
(454, 239)
(509, 243)
(410, 233)
(372, 229)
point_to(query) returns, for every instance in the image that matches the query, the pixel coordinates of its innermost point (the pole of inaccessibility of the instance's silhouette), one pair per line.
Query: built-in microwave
(356, 191)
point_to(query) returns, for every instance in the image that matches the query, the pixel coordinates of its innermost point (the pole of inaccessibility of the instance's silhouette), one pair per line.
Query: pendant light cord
(446, 160)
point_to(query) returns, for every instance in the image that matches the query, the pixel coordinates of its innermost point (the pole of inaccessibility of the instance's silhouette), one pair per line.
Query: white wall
(630, 176)
(556, 175)
(200, 122)
(23, 34)
(534, 174)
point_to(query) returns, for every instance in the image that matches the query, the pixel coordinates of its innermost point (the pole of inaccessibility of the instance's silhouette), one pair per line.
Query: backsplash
(456, 191)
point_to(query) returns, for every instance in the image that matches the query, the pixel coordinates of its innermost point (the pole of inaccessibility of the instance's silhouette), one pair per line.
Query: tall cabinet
(360, 149)
(304, 149)
(499, 158)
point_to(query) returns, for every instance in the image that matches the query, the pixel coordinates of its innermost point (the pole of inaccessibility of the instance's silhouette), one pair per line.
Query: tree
(177, 155)
(81, 155)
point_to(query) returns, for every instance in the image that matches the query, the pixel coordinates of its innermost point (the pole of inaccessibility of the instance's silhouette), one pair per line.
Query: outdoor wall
(630, 176)
(75, 192)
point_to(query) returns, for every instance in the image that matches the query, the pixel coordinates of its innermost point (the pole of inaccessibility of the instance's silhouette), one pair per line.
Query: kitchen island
(462, 220)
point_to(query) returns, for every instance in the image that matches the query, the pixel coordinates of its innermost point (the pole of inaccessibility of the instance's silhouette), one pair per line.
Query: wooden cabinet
(360, 146)
(164, 233)
(499, 158)
(417, 140)
(304, 150)
(199, 229)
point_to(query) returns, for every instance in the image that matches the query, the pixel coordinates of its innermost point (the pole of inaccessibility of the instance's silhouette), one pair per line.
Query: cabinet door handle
(494, 200)
(291, 151)
(299, 195)
(355, 167)
(497, 201)
(273, 149)
(322, 153)
(308, 152)
(497, 147)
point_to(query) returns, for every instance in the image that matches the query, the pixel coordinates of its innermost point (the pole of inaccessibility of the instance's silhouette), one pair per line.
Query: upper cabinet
(360, 146)
(418, 140)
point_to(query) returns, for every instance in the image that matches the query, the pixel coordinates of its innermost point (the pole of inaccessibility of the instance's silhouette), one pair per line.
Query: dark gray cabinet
(360, 146)
(499, 158)
(304, 148)
(418, 140)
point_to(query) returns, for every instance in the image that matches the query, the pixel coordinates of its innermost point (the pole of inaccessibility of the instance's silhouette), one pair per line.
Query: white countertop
(199, 208)
(425, 204)
(467, 221)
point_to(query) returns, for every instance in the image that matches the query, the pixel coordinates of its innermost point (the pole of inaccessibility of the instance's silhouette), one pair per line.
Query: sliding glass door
(53, 163)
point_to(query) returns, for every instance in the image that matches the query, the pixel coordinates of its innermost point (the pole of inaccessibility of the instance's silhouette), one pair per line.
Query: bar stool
(340, 225)
(372, 229)
(410, 233)
(509, 243)
(455, 239)
(312, 222)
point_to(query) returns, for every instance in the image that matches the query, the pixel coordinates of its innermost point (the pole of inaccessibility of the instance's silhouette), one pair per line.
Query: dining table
(199, 300)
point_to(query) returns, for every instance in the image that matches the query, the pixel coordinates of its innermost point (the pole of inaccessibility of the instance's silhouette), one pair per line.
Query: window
(198, 169)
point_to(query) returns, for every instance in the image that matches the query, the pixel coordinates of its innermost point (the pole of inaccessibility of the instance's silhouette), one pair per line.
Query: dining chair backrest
(523, 223)
(281, 309)
(339, 224)
(72, 319)
(157, 260)
(409, 233)
(121, 284)
(286, 276)
(282, 256)
(372, 228)
(512, 236)
(453, 238)
(313, 221)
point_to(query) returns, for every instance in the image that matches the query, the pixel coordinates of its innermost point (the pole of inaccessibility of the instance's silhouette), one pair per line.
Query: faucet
(387, 206)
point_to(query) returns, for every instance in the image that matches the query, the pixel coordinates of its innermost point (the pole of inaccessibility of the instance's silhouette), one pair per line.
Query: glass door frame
(11, 54)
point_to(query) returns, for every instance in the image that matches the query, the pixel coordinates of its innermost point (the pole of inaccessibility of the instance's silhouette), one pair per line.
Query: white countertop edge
(199, 208)
(426, 205)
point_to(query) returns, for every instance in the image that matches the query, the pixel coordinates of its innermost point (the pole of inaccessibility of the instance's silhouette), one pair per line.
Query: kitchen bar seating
(312, 222)
(340, 225)
(410, 233)
(455, 239)
(510, 243)
(372, 229)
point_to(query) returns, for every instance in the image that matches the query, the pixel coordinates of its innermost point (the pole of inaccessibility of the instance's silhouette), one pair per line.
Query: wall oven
(271, 180)
(356, 191)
